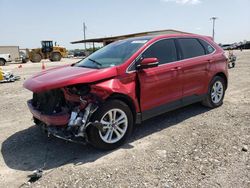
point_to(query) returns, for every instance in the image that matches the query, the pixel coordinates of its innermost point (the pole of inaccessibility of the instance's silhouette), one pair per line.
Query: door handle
(176, 69)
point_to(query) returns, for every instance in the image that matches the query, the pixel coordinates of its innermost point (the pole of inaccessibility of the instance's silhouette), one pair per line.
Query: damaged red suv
(100, 98)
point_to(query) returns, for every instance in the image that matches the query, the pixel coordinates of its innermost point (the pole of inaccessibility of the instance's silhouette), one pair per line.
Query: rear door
(160, 85)
(195, 67)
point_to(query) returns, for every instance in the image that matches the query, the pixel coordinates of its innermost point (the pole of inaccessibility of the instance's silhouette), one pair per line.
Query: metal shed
(108, 40)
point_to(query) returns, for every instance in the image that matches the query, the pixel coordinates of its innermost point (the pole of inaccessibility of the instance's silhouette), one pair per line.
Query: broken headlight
(79, 89)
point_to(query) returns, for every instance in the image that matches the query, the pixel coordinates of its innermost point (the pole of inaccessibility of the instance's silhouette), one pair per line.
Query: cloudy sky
(27, 22)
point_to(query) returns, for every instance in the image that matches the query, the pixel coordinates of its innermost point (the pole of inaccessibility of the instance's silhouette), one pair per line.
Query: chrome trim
(132, 71)
(156, 63)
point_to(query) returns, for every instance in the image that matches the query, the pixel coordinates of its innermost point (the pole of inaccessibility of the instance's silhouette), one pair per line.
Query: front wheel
(117, 120)
(2, 62)
(216, 93)
(36, 58)
(56, 56)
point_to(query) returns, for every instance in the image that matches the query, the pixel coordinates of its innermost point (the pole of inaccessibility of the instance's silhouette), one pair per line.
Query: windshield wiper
(94, 61)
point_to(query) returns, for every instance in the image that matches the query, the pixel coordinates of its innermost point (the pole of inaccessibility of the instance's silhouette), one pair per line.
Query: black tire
(36, 58)
(55, 56)
(2, 62)
(25, 60)
(208, 101)
(93, 133)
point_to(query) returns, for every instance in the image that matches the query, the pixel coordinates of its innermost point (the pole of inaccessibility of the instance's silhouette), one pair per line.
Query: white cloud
(184, 2)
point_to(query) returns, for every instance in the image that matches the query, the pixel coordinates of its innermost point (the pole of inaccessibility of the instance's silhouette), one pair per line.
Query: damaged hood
(65, 76)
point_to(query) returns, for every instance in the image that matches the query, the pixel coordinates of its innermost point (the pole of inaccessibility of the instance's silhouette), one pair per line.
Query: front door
(160, 87)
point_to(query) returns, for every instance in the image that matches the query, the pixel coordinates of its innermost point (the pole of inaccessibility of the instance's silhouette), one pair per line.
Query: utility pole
(84, 33)
(213, 18)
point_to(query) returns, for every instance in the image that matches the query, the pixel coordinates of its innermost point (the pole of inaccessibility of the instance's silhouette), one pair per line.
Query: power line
(214, 18)
(84, 33)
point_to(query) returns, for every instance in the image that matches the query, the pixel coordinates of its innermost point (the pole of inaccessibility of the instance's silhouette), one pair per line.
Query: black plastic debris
(36, 175)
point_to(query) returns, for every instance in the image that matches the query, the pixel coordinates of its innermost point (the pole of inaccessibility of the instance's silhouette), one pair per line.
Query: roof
(120, 37)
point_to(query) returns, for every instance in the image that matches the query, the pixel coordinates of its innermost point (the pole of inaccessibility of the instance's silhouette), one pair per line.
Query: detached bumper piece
(64, 134)
(6, 76)
(60, 119)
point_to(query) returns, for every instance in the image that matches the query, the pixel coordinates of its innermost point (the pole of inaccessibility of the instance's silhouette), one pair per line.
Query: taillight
(9, 56)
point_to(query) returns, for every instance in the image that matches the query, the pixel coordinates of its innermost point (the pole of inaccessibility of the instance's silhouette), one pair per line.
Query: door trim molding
(147, 114)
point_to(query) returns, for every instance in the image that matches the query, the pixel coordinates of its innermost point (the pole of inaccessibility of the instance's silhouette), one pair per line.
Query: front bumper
(60, 119)
(8, 59)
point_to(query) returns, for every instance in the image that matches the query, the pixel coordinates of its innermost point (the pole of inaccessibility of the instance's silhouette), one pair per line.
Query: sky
(26, 22)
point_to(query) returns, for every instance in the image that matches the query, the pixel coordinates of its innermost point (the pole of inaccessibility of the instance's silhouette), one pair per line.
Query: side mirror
(148, 63)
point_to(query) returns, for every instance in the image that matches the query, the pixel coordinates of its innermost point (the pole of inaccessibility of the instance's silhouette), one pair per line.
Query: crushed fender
(66, 113)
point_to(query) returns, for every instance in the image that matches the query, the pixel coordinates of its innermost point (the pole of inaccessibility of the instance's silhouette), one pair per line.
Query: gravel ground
(189, 147)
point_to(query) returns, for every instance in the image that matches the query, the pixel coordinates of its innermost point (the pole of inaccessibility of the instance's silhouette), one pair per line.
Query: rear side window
(209, 49)
(191, 48)
(163, 50)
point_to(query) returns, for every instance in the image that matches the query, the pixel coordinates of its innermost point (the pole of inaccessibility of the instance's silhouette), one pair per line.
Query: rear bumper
(60, 119)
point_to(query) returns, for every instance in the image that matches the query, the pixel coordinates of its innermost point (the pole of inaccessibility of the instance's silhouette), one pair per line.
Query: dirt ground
(189, 147)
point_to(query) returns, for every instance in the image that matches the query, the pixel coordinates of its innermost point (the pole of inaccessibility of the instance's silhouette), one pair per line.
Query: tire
(2, 62)
(109, 139)
(55, 56)
(24, 60)
(36, 58)
(216, 93)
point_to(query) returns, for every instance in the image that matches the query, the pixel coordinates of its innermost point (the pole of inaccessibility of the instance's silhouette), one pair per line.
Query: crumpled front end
(65, 112)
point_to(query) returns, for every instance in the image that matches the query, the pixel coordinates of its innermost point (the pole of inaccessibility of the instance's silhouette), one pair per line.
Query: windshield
(113, 54)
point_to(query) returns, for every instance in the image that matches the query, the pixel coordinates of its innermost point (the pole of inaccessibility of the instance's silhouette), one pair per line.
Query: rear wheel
(2, 62)
(117, 120)
(36, 58)
(55, 56)
(216, 93)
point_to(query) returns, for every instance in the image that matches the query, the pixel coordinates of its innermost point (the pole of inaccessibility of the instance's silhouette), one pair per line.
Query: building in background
(12, 50)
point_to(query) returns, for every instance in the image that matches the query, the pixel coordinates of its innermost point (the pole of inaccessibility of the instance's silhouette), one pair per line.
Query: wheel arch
(222, 75)
(127, 100)
(36, 53)
(55, 52)
(3, 59)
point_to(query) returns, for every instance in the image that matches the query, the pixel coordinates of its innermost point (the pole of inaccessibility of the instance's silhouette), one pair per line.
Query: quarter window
(163, 50)
(191, 48)
(209, 49)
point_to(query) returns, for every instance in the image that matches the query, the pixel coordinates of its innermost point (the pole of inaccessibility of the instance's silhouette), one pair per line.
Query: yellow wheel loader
(48, 51)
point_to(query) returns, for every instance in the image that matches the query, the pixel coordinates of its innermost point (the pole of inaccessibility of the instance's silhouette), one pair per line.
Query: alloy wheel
(217, 92)
(115, 123)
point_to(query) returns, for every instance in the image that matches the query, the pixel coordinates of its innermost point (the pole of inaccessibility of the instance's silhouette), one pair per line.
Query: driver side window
(163, 50)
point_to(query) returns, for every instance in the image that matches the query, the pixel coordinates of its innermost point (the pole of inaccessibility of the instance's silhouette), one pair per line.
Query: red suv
(100, 98)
